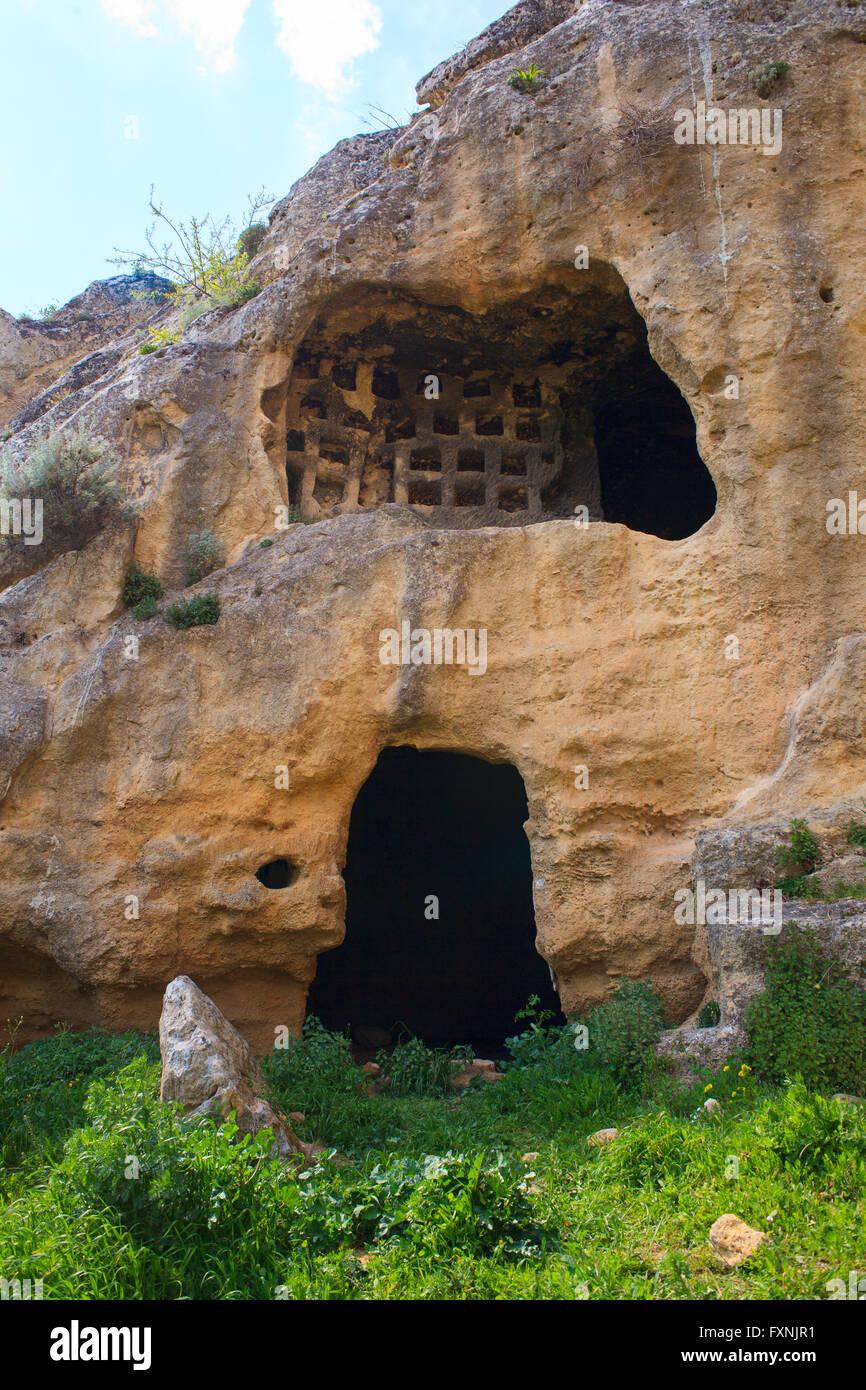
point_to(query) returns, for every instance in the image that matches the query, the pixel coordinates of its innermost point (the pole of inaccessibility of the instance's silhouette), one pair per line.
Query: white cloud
(135, 14)
(213, 25)
(322, 37)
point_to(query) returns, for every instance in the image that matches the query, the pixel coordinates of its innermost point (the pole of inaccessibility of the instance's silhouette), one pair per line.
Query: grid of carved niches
(485, 448)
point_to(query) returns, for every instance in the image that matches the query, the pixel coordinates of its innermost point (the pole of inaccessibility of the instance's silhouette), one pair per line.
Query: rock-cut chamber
(520, 414)
(440, 931)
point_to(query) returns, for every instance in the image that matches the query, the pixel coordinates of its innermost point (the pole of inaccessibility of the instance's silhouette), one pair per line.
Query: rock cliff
(649, 364)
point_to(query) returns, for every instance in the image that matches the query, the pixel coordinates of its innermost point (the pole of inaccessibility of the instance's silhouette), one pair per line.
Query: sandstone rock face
(209, 1068)
(671, 697)
(44, 361)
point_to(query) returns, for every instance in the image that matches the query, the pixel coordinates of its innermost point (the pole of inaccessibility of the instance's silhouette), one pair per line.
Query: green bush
(205, 552)
(541, 1043)
(200, 611)
(148, 608)
(624, 1029)
(857, 832)
(810, 1131)
(709, 1014)
(157, 339)
(140, 585)
(252, 237)
(797, 886)
(74, 473)
(474, 1204)
(526, 81)
(801, 855)
(764, 79)
(810, 1020)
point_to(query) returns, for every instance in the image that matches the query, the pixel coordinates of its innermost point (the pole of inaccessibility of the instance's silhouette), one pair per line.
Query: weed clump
(413, 1069)
(528, 80)
(200, 611)
(139, 585)
(205, 552)
(810, 1019)
(625, 1028)
(709, 1014)
(764, 79)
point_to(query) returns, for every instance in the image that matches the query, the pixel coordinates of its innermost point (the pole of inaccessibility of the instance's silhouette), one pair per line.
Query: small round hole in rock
(826, 293)
(279, 873)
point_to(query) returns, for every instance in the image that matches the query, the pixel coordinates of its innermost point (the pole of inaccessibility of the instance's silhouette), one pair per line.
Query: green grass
(107, 1193)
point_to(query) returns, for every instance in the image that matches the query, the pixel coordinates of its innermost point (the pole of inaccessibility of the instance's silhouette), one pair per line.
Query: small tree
(205, 260)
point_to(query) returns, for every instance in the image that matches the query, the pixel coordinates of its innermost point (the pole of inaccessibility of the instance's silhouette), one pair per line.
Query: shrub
(709, 1014)
(413, 1069)
(624, 1029)
(252, 237)
(74, 474)
(158, 338)
(857, 832)
(189, 1173)
(809, 1019)
(526, 81)
(205, 552)
(794, 886)
(204, 259)
(541, 1043)
(809, 1131)
(139, 585)
(200, 611)
(441, 1204)
(764, 79)
(146, 609)
(801, 855)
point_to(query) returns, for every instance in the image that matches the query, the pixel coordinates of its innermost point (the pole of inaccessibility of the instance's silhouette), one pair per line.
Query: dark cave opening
(652, 477)
(435, 832)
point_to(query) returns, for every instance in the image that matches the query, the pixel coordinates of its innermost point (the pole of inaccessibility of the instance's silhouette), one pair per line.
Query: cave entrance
(435, 832)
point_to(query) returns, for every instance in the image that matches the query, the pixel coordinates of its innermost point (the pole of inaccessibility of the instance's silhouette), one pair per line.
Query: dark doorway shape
(652, 477)
(450, 825)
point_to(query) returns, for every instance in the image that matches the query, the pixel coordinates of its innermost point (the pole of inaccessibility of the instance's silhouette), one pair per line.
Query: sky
(207, 100)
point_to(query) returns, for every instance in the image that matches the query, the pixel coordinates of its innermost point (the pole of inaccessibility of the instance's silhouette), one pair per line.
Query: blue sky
(206, 99)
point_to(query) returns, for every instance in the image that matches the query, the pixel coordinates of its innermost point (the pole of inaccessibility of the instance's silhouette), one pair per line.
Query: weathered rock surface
(44, 361)
(733, 1240)
(602, 1137)
(210, 1070)
(133, 824)
(479, 1069)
